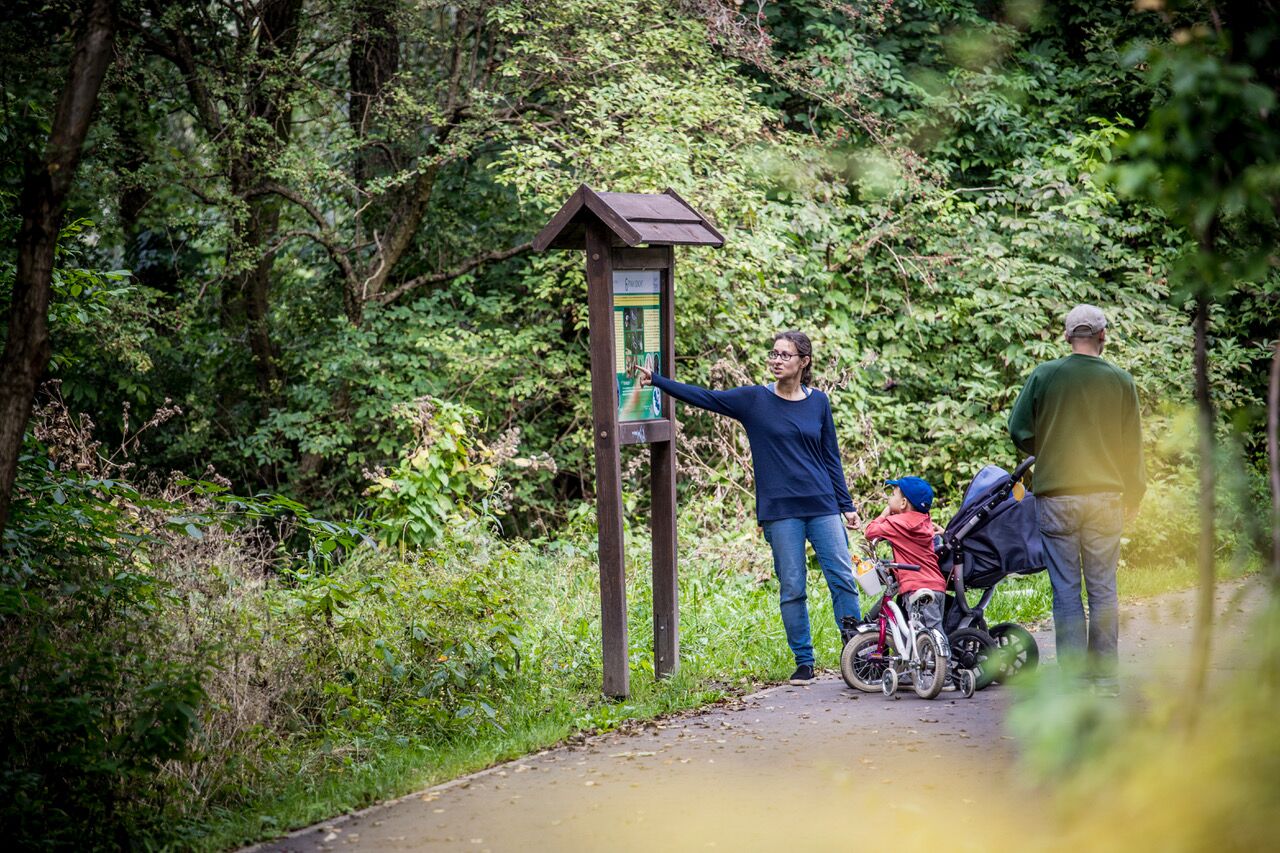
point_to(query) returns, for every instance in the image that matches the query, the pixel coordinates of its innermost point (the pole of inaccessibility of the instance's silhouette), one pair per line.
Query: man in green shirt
(1078, 416)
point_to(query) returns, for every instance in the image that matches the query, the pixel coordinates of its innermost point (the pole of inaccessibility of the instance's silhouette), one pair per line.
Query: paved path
(817, 767)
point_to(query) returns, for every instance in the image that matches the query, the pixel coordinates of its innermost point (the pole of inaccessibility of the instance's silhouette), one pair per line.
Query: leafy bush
(170, 654)
(440, 480)
(421, 647)
(1179, 772)
(96, 699)
(104, 670)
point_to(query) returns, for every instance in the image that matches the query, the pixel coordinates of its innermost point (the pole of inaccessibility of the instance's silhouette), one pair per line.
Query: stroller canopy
(1007, 542)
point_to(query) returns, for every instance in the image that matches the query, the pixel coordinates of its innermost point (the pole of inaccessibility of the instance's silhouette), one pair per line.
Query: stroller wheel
(967, 682)
(974, 649)
(889, 683)
(1018, 650)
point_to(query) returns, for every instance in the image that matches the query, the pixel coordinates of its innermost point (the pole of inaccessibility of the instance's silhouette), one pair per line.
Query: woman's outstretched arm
(733, 402)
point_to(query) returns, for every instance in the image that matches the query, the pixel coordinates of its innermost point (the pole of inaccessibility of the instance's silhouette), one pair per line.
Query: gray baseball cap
(1085, 321)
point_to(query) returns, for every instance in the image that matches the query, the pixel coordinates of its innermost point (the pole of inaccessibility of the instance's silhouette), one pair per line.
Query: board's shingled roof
(660, 219)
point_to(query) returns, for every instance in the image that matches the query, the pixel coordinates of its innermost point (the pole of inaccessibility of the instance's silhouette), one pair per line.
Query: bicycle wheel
(974, 649)
(932, 673)
(1018, 650)
(861, 663)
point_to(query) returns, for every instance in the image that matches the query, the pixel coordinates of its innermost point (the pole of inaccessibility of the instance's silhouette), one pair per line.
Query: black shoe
(802, 676)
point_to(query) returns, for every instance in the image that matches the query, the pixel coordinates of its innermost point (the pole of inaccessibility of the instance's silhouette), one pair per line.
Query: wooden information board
(630, 303)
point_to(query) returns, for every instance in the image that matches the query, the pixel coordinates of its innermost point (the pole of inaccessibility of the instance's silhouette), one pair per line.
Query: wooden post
(604, 407)
(666, 607)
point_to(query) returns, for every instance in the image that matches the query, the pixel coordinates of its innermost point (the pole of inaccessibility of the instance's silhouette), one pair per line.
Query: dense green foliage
(296, 247)
(914, 184)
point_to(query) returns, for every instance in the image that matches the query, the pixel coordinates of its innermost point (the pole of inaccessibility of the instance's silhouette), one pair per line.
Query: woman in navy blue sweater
(800, 487)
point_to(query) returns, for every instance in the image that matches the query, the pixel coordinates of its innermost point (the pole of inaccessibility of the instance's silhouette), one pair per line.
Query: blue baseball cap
(917, 491)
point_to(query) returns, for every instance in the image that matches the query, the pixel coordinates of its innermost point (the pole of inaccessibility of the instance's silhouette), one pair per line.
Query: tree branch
(183, 56)
(446, 275)
(323, 235)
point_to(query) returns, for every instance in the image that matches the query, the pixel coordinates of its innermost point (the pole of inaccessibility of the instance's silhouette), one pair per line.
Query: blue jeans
(1081, 536)
(786, 536)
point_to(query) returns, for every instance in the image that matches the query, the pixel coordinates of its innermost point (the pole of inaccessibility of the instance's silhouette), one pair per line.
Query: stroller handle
(952, 538)
(897, 566)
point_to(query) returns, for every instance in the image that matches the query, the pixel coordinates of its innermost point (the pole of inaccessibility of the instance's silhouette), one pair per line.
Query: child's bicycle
(888, 646)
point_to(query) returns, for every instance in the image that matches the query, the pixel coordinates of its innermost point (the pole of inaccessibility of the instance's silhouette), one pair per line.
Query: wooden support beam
(604, 407)
(666, 606)
(643, 432)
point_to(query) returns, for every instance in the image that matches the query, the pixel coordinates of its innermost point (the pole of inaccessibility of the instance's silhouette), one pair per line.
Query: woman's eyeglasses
(784, 357)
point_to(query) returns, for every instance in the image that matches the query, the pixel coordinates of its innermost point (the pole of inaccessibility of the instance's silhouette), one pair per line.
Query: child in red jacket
(906, 525)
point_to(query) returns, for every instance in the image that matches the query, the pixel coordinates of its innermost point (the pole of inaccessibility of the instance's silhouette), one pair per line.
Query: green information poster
(637, 340)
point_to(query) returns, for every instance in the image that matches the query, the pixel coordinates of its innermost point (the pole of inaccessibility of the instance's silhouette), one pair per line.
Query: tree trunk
(248, 299)
(374, 61)
(1273, 455)
(127, 117)
(1203, 633)
(46, 183)
(269, 105)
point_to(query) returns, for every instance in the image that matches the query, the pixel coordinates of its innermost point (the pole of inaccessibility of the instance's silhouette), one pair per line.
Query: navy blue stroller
(995, 534)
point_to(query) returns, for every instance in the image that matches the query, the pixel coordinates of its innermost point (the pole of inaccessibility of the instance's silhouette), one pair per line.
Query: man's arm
(1135, 479)
(1022, 420)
